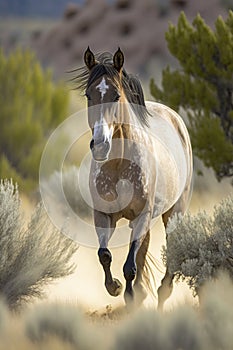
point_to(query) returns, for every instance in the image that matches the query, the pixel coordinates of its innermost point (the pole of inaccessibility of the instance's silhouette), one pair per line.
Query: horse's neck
(118, 145)
(125, 129)
(127, 120)
(124, 133)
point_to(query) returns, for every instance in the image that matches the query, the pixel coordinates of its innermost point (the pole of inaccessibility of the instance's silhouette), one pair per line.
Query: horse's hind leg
(140, 228)
(165, 290)
(140, 292)
(105, 227)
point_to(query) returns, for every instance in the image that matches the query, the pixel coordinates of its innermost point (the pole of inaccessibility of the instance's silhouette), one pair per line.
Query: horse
(124, 170)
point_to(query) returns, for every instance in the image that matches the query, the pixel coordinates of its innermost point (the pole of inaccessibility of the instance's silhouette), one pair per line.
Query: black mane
(131, 85)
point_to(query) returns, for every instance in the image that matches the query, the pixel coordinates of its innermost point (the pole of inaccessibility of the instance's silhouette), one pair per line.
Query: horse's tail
(148, 277)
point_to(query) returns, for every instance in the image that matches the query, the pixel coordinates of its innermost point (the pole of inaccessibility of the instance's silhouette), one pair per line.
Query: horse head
(103, 92)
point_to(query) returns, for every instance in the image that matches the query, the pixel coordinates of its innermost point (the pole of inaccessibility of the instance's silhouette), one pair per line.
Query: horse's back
(174, 155)
(161, 112)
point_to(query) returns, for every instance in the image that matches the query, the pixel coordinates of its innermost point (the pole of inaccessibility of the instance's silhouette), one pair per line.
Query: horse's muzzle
(100, 151)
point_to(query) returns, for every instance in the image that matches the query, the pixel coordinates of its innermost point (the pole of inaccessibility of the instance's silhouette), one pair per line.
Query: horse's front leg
(140, 229)
(105, 226)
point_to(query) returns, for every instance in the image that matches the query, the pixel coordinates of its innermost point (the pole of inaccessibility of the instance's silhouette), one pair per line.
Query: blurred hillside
(138, 27)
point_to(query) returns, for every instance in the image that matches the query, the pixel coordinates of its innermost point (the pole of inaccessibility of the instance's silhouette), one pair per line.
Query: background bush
(70, 186)
(31, 106)
(202, 86)
(200, 246)
(30, 256)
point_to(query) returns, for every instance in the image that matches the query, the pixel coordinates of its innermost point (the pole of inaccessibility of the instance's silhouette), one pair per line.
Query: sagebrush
(31, 255)
(200, 246)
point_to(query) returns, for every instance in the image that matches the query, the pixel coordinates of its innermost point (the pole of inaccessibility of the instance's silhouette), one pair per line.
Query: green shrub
(30, 256)
(31, 106)
(203, 87)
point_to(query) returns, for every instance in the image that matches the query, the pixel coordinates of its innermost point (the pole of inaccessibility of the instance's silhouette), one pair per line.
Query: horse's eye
(117, 97)
(88, 96)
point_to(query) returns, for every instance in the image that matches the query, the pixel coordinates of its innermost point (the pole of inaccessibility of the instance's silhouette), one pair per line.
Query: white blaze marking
(101, 127)
(102, 87)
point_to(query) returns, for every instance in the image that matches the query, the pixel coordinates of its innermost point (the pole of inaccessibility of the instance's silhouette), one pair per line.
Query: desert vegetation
(66, 322)
(32, 254)
(31, 107)
(67, 326)
(185, 327)
(199, 250)
(202, 86)
(200, 246)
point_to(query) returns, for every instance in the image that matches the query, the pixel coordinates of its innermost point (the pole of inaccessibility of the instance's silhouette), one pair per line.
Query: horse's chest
(106, 186)
(124, 191)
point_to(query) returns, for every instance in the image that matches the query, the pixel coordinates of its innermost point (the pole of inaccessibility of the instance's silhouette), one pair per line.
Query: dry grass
(65, 326)
(65, 322)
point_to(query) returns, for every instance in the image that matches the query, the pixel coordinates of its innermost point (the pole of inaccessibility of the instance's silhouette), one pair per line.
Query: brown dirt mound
(138, 27)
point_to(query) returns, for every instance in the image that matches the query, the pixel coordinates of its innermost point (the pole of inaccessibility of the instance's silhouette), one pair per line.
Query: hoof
(115, 288)
(129, 294)
(164, 293)
(160, 307)
(129, 302)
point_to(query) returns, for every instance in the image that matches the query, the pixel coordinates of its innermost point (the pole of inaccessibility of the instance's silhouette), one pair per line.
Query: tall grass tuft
(64, 326)
(145, 330)
(64, 321)
(184, 329)
(30, 256)
(209, 326)
(216, 311)
(150, 330)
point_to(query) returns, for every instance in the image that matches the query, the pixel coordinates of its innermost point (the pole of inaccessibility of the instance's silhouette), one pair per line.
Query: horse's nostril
(91, 144)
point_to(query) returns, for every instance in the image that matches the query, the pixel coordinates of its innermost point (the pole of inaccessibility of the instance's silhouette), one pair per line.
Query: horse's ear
(118, 60)
(89, 58)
